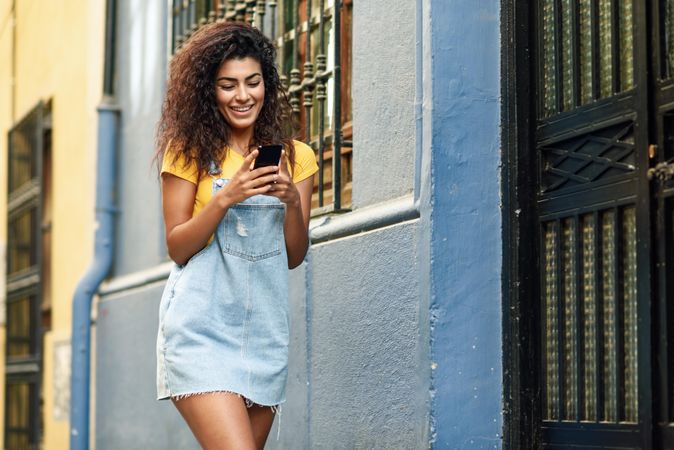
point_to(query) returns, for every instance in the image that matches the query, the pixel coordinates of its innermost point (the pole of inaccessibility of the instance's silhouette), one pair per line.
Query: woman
(233, 232)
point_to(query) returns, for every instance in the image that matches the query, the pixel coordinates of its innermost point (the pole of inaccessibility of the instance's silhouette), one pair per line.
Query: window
(313, 38)
(29, 146)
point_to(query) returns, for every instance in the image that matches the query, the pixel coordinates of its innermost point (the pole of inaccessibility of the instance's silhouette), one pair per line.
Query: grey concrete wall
(141, 73)
(128, 416)
(383, 100)
(294, 416)
(364, 340)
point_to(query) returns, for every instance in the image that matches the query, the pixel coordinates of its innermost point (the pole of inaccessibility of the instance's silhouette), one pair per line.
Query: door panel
(593, 223)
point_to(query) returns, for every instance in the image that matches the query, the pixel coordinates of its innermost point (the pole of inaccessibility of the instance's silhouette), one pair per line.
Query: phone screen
(269, 155)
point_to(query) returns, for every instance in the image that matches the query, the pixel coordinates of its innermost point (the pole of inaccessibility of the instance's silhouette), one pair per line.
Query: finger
(283, 164)
(248, 162)
(262, 171)
(260, 190)
(261, 181)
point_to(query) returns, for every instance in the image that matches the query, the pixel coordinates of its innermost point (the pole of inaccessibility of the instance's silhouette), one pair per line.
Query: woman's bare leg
(218, 420)
(261, 419)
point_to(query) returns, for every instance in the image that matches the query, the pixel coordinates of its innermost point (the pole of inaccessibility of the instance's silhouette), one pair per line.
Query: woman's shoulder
(305, 161)
(301, 147)
(175, 163)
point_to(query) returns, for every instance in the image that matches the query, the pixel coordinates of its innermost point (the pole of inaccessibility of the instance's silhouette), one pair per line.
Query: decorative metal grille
(551, 308)
(587, 52)
(586, 61)
(566, 56)
(605, 49)
(549, 54)
(629, 279)
(598, 339)
(608, 262)
(589, 319)
(588, 158)
(626, 45)
(314, 42)
(569, 274)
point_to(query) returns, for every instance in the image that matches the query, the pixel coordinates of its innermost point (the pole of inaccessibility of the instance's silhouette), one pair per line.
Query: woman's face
(239, 92)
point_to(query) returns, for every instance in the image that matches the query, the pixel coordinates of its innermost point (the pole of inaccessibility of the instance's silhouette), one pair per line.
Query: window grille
(24, 280)
(313, 38)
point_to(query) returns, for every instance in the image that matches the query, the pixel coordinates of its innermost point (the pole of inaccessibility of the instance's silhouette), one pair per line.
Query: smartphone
(269, 155)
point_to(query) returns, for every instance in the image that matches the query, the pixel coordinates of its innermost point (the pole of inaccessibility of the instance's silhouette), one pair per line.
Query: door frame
(521, 384)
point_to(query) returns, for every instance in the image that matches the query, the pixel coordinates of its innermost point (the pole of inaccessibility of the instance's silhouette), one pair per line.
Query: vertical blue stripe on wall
(465, 303)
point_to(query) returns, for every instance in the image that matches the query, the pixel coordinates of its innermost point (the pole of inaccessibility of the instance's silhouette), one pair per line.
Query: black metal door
(662, 155)
(593, 219)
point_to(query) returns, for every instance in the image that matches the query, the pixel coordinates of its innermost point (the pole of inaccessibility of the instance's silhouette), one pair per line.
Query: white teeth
(243, 109)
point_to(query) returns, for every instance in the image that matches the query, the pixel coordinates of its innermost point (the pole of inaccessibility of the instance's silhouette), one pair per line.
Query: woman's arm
(186, 235)
(297, 198)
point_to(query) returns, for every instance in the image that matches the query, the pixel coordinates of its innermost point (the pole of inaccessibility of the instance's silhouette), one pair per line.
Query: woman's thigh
(261, 420)
(218, 420)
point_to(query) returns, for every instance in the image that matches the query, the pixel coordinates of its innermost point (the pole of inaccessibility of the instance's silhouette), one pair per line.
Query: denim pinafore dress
(223, 316)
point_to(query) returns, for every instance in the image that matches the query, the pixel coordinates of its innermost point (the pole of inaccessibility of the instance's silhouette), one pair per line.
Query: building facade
(491, 227)
(394, 343)
(50, 84)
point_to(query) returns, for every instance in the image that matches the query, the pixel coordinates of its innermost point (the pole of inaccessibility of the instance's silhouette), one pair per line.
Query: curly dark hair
(191, 122)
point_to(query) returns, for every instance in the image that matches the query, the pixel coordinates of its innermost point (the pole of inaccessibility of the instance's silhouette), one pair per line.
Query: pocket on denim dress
(254, 231)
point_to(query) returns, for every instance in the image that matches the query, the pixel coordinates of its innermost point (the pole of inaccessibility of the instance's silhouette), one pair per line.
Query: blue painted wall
(465, 305)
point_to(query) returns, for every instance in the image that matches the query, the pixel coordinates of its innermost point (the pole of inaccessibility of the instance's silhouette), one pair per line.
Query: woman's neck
(239, 140)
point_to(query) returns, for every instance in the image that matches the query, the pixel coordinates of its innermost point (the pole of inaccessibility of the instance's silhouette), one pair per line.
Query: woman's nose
(242, 94)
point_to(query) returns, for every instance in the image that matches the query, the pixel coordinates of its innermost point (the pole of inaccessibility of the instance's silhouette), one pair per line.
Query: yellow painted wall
(5, 117)
(59, 50)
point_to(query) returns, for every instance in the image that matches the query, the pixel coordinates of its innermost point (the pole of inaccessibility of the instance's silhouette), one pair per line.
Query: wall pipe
(108, 130)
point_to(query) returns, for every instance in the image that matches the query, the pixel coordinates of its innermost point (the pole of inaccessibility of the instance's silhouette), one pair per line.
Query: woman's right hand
(247, 182)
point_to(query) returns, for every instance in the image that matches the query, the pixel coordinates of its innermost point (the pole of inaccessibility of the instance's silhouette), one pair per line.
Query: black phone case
(269, 155)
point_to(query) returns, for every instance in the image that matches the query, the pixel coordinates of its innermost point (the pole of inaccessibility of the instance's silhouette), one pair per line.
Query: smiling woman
(233, 231)
(240, 93)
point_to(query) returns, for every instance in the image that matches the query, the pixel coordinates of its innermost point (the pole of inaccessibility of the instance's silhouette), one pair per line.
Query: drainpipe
(108, 125)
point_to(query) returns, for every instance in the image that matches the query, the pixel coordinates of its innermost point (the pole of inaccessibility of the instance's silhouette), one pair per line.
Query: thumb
(248, 162)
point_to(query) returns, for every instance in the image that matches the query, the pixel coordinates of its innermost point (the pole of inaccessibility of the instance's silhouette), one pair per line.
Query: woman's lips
(242, 110)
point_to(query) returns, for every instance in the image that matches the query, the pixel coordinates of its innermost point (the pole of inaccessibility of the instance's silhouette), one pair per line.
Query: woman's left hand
(284, 189)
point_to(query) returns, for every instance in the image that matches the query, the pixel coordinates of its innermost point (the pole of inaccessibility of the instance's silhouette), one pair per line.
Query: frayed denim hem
(249, 402)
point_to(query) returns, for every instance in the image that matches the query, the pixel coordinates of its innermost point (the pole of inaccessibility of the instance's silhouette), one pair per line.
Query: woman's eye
(254, 84)
(227, 88)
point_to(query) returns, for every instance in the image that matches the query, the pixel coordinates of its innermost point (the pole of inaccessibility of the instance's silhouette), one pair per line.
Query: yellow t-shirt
(305, 166)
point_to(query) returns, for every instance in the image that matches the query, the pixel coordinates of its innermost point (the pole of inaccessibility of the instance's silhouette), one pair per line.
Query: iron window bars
(23, 349)
(320, 93)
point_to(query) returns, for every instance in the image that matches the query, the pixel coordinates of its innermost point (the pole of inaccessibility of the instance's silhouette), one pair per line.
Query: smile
(242, 109)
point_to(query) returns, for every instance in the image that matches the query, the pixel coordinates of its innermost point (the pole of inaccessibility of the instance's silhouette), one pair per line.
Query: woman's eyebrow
(235, 79)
